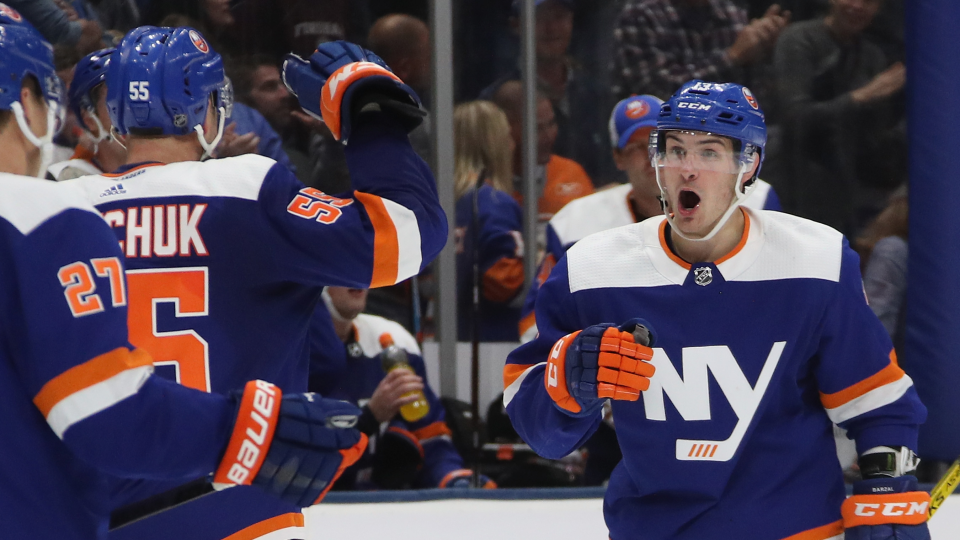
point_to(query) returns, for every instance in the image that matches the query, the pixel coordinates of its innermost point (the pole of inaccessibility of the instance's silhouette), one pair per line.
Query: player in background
(227, 258)
(77, 399)
(98, 151)
(767, 305)
(630, 125)
(403, 454)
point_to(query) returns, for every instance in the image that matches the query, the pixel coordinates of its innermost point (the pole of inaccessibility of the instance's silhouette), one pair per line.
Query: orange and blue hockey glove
(341, 79)
(293, 447)
(601, 361)
(887, 504)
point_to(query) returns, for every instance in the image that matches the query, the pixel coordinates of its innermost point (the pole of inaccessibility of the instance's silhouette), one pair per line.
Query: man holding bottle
(376, 364)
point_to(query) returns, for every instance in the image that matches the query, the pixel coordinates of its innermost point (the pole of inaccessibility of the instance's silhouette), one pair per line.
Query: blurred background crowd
(829, 75)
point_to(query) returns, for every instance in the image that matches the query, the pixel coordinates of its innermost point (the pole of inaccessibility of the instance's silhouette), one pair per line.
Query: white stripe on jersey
(779, 246)
(408, 240)
(238, 177)
(874, 399)
(95, 398)
(28, 202)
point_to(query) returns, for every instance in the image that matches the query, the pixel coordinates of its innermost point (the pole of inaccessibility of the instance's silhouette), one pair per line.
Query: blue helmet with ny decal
(726, 109)
(161, 80)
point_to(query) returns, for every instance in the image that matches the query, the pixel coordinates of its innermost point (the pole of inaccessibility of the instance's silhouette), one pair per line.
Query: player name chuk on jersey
(160, 231)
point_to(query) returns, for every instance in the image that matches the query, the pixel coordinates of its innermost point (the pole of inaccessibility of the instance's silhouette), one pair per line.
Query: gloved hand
(292, 446)
(600, 361)
(340, 79)
(886, 509)
(463, 479)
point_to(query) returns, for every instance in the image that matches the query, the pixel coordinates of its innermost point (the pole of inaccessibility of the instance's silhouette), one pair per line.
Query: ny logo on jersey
(690, 394)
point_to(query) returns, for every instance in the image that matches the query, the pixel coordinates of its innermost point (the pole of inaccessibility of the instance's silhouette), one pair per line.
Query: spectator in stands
(578, 101)
(883, 252)
(842, 133)
(264, 109)
(665, 43)
(488, 224)
(409, 448)
(559, 179)
(60, 25)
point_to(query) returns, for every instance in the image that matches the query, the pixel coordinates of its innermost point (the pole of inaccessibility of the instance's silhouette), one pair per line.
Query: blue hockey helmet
(161, 80)
(90, 72)
(726, 109)
(24, 52)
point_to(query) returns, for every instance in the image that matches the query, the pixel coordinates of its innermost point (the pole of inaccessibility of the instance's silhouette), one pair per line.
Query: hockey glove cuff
(886, 509)
(463, 479)
(341, 79)
(601, 361)
(293, 447)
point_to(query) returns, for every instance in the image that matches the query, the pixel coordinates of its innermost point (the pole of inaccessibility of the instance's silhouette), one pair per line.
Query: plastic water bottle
(392, 358)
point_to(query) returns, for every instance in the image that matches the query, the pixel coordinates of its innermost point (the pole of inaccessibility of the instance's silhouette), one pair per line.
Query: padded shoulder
(792, 248)
(238, 177)
(28, 202)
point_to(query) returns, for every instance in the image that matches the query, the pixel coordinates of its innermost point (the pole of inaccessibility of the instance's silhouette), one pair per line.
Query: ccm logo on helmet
(198, 41)
(10, 12)
(264, 403)
(693, 106)
(891, 509)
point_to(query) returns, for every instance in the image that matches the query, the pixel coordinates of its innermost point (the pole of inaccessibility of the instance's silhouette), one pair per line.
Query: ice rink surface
(471, 519)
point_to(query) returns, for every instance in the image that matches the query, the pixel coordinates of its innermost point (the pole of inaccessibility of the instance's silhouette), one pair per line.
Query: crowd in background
(828, 74)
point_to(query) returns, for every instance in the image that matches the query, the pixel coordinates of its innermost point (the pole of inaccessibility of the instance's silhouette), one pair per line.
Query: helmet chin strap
(44, 143)
(209, 147)
(739, 195)
(115, 135)
(334, 313)
(101, 135)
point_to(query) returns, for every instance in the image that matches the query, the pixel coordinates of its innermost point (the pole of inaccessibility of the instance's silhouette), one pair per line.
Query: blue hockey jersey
(757, 355)
(226, 260)
(75, 397)
(600, 211)
(500, 253)
(352, 372)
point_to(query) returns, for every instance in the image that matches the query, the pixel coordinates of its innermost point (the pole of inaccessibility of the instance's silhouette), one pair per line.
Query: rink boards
(411, 515)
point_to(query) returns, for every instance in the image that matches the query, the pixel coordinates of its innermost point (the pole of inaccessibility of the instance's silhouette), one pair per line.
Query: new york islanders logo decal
(637, 110)
(750, 99)
(10, 13)
(199, 42)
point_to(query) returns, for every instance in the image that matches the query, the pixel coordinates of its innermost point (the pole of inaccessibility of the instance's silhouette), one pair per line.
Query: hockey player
(76, 398)
(631, 122)
(763, 341)
(98, 151)
(404, 453)
(227, 258)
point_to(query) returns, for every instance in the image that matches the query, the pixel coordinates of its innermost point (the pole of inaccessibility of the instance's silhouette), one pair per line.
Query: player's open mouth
(687, 201)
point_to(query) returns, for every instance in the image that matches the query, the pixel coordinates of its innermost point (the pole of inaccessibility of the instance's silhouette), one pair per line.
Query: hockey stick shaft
(944, 487)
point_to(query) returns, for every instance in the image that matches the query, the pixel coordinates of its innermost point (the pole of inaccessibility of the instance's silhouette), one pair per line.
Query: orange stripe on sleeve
(87, 374)
(386, 249)
(527, 322)
(820, 533)
(887, 375)
(503, 280)
(512, 372)
(436, 429)
(276, 523)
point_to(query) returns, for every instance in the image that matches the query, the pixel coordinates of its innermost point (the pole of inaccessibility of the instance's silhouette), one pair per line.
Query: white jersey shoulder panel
(628, 256)
(596, 212)
(72, 168)
(369, 328)
(757, 198)
(237, 177)
(786, 247)
(28, 202)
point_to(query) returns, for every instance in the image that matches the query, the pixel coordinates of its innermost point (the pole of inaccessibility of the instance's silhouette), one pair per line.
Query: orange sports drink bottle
(392, 358)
